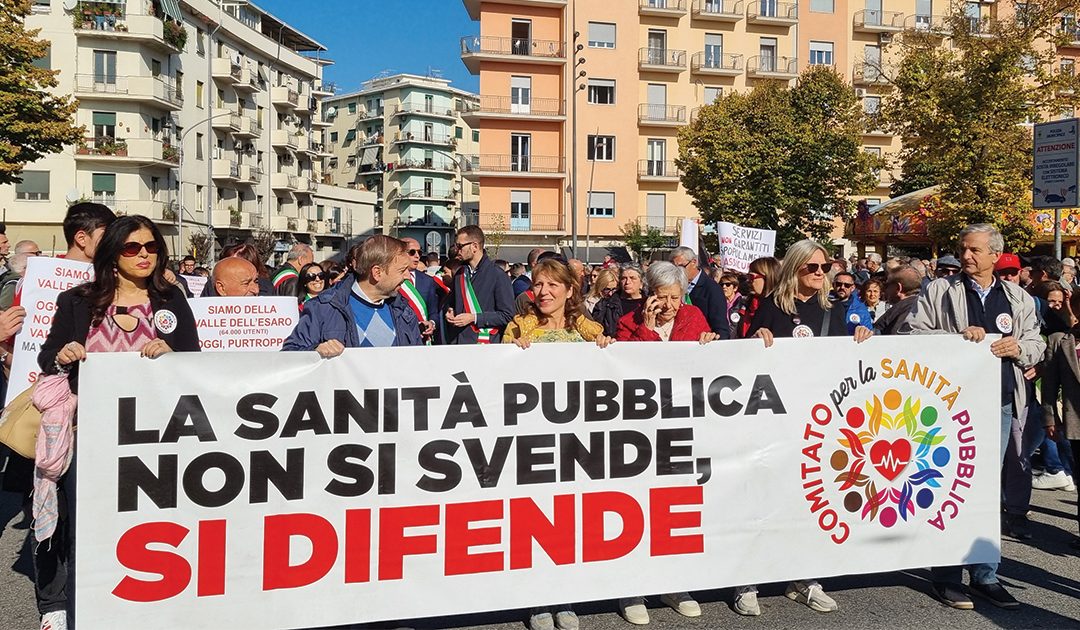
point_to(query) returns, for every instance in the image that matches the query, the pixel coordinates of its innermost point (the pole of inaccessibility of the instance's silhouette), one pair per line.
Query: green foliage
(787, 159)
(642, 240)
(495, 234)
(33, 122)
(961, 110)
(175, 34)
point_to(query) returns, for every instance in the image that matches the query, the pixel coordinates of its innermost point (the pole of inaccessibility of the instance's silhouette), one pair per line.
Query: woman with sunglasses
(313, 281)
(128, 307)
(603, 303)
(761, 280)
(733, 300)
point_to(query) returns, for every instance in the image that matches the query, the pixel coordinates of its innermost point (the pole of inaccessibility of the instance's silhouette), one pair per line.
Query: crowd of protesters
(388, 292)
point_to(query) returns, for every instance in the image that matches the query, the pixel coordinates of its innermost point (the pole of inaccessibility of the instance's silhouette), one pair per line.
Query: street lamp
(180, 177)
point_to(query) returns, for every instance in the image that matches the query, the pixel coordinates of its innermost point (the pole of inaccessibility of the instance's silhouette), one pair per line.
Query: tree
(495, 234)
(33, 122)
(199, 247)
(642, 240)
(962, 109)
(780, 158)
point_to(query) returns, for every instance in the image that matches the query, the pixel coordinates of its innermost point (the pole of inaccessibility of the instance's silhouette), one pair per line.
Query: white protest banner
(229, 324)
(688, 234)
(195, 284)
(281, 490)
(740, 246)
(44, 279)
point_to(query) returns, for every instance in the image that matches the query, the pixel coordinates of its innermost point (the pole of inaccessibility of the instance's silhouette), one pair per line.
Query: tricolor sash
(415, 300)
(472, 305)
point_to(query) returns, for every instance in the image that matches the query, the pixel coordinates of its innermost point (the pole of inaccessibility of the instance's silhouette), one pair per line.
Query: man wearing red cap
(1007, 268)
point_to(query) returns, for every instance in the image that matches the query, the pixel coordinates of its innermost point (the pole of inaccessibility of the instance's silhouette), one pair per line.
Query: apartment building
(199, 114)
(401, 137)
(627, 75)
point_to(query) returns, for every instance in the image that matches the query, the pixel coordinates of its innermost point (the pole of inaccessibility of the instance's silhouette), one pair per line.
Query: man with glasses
(947, 266)
(702, 291)
(420, 292)
(482, 300)
(846, 297)
(1007, 268)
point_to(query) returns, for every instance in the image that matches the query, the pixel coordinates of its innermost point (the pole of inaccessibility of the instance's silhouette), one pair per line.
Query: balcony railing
(664, 223)
(658, 169)
(426, 165)
(930, 24)
(420, 137)
(875, 20)
(767, 65)
(662, 7)
(285, 96)
(868, 74)
(765, 10)
(505, 105)
(129, 87)
(719, 62)
(423, 108)
(504, 163)
(422, 193)
(528, 222)
(523, 46)
(674, 114)
(662, 58)
(726, 10)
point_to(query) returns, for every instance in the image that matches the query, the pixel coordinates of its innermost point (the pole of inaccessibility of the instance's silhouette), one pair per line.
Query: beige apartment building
(199, 114)
(627, 74)
(401, 137)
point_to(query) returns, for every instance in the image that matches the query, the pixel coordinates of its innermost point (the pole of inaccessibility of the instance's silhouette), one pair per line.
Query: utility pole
(578, 74)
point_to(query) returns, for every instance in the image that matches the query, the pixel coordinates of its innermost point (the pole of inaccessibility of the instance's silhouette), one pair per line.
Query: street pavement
(1043, 574)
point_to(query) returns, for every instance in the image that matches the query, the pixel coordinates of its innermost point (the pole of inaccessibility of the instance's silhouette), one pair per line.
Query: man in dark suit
(426, 307)
(703, 291)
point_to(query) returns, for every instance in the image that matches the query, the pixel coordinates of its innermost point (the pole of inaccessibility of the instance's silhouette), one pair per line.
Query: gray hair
(874, 257)
(909, 279)
(665, 274)
(685, 253)
(298, 250)
(997, 243)
(17, 263)
(918, 266)
(28, 247)
(636, 268)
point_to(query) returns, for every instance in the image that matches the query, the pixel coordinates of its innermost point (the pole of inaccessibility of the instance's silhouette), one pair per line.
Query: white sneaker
(682, 603)
(1055, 481)
(809, 592)
(540, 619)
(746, 603)
(566, 619)
(633, 610)
(1071, 487)
(56, 620)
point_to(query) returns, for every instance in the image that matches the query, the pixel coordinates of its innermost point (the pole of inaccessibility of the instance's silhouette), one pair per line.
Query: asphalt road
(1043, 574)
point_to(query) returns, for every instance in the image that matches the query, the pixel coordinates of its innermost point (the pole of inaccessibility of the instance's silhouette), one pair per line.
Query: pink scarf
(54, 448)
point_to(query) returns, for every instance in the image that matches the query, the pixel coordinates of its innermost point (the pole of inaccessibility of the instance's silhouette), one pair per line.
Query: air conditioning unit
(860, 92)
(885, 38)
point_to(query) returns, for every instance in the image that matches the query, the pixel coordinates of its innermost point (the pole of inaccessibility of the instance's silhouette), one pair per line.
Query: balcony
(503, 108)
(657, 171)
(666, 224)
(249, 81)
(875, 21)
(305, 103)
(162, 211)
(230, 122)
(283, 181)
(306, 185)
(140, 29)
(440, 167)
(249, 174)
(225, 70)
(137, 152)
(303, 145)
(716, 64)
(982, 28)
(283, 139)
(1071, 31)
(424, 195)
(477, 48)
(428, 110)
(661, 60)
(730, 11)
(516, 223)
(321, 150)
(473, 6)
(284, 97)
(772, 13)
(932, 25)
(505, 165)
(868, 75)
(137, 89)
(225, 169)
(674, 9)
(324, 89)
(363, 115)
(653, 115)
(425, 138)
(782, 68)
(374, 140)
(249, 128)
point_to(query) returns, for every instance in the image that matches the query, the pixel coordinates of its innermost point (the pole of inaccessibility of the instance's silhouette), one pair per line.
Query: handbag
(19, 424)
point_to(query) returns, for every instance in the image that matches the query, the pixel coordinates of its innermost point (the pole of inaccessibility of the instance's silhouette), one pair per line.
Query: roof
(382, 84)
(278, 30)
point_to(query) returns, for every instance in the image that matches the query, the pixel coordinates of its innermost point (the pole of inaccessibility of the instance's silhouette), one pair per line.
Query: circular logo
(735, 317)
(1004, 323)
(853, 318)
(165, 321)
(802, 331)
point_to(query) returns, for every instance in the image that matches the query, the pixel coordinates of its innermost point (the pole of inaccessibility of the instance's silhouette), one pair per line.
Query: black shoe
(1075, 544)
(952, 595)
(1016, 526)
(997, 595)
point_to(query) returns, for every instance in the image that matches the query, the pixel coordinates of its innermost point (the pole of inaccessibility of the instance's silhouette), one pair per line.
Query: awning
(172, 10)
(370, 155)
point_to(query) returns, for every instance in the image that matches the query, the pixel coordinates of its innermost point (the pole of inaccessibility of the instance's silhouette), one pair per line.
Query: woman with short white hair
(665, 315)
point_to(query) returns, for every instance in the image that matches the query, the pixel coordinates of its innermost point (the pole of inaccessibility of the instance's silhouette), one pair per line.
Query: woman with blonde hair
(604, 285)
(761, 279)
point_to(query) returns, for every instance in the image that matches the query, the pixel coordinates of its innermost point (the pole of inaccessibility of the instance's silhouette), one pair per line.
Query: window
(602, 148)
(767, 50)
(459, 133)
(179, 85)
(333, 137)
(714, 50)
(476, 135)
(104, 67)
(155, 68)
(199, 94)
(352, 108)
(429, 187)
(601, 204)
(871, 105)
(520, 210)
(1068, 67)
(821, 53)
(476, 188)
(104, 185)
(872, 201)
(199, 139)
(33, 187)
(713, 93)
(200, 42)
(1028, 63)
(220, 98)
(601, 35)
(602, 91)
(104, 124)
(44, 62)
(822, 6)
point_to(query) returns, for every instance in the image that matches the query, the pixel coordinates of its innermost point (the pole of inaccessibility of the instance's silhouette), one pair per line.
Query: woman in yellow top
(556, 314)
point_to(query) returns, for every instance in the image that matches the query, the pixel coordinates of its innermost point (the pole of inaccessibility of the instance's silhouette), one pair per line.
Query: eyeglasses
(685, 265)
(607, 291)
(844, 285)
(754, 276)
(413, 252)
(132, 248)
(946, 271)
(465, 244)
(729, 284)
(1008, 273)
(312, 277)
(813, 267)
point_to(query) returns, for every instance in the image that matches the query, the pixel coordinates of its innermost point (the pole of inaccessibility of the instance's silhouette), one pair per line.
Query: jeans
(986, 573)
(1055, 455)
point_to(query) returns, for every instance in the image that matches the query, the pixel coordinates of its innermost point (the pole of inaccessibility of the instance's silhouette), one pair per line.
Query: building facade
(400, 137)
(202, 115)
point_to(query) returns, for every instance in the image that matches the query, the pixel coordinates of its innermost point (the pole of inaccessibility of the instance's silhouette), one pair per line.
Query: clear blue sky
(366, 37)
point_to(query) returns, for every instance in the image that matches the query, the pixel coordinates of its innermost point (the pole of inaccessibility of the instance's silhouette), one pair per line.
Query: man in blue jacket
(363, 311)
(847, 298)
(482, 303)
(425, 298)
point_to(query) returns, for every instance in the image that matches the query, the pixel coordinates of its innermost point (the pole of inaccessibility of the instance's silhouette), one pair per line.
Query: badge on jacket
(165, 321)
(1004, 323)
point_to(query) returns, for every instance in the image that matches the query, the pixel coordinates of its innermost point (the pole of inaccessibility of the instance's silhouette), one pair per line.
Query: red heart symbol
(890, 458)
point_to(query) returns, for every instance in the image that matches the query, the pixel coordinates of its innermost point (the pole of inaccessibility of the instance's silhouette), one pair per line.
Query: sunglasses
(729, 284)
(413, 252)
(132, 248)
(754, 276)
(844, 285)
(312, 277)
(813, 267)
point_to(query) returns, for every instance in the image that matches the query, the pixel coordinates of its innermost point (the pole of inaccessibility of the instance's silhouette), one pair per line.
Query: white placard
(740, 246)
(1054, 171)
(231, 324)
(195, 284)
(44, 279)
(282, 490)
(688, 234)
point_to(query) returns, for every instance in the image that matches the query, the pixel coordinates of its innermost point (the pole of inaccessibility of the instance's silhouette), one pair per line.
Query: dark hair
(1048, 265)
(85, 217)
(101, 291)
(560, 272)
(248, 252)
(301, 286)
(376, 251)
(473, 232)
(188, 258)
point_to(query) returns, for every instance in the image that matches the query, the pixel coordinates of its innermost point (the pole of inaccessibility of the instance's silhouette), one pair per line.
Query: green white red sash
(472, 305)
(415, 300)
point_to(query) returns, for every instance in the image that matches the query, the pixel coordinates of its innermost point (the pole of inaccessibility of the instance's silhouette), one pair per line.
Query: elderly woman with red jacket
(665, 315)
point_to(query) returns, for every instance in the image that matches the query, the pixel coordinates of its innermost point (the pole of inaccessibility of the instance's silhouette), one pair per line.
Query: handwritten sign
(740, 246)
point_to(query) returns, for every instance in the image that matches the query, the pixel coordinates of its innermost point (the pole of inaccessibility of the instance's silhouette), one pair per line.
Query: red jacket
(690, 322)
